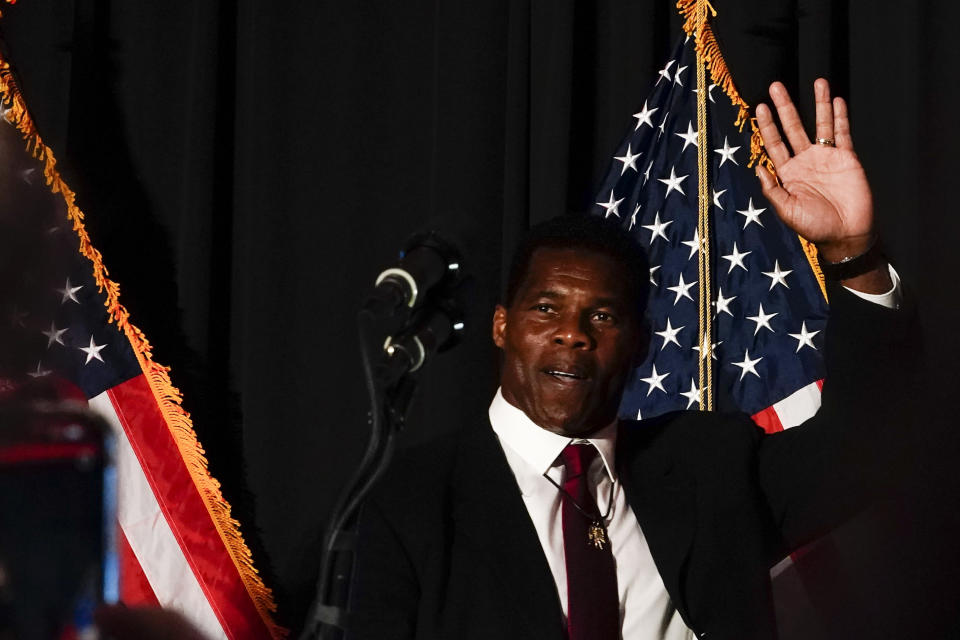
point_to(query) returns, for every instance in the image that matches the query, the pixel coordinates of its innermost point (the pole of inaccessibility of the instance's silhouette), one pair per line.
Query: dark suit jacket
(447, 549)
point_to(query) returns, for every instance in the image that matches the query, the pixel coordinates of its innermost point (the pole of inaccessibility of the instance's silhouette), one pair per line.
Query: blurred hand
(118, 622)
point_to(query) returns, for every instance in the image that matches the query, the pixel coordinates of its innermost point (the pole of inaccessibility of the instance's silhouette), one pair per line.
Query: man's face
(569, 340)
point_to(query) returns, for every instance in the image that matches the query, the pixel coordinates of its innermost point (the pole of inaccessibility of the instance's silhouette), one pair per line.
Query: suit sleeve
(819, 473)
(386, 591)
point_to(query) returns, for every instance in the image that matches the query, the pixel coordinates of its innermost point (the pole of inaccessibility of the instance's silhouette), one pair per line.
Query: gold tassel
(167, 396)
(707, 46)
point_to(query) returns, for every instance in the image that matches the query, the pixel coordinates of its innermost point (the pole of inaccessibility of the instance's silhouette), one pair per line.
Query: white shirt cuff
(891, 299)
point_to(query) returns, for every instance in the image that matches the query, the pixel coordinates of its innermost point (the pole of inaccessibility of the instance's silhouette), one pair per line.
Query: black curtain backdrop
(248, 167)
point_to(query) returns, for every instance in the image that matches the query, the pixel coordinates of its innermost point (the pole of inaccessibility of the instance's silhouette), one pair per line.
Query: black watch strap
(853, 266)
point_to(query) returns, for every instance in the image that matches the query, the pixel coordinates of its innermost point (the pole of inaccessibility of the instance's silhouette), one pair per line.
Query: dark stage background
(248, 167)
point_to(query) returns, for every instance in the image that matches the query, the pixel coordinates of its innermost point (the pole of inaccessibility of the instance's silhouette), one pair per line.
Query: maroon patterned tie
(593, 606)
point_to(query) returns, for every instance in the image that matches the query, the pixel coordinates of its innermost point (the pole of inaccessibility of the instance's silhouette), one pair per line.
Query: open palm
(824, 195)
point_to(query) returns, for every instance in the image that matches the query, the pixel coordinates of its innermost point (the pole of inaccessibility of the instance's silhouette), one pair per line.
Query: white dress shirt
(646, 612)
(891, 299)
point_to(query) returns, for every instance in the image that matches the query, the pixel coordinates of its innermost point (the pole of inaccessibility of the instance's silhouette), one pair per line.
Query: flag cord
(703, 222)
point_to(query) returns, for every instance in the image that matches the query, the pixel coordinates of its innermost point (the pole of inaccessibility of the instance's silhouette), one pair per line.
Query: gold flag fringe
(811, 252)
(709, 49)
(168, 397)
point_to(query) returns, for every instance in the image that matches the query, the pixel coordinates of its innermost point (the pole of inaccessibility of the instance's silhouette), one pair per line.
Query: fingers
(831, 122)
(789, 118)
(774, 144)
(821, 97)
(841, 125)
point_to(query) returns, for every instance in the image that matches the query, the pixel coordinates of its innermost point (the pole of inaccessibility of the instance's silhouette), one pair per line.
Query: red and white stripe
(170, 549)
(795, 409)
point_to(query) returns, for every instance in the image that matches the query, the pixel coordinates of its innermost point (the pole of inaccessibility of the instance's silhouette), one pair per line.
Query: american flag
(177, 545)
(768, 307)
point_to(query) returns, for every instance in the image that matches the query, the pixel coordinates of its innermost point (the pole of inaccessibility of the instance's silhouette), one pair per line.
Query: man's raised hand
(824, 195)
(823, 192)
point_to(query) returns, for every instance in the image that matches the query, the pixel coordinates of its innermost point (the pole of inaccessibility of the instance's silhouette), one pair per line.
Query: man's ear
(499, 325)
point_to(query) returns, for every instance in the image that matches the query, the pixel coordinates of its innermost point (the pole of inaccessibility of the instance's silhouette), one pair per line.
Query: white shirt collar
(538, 447)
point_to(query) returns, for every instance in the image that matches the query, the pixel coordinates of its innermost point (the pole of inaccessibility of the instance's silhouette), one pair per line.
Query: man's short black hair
(589, 233)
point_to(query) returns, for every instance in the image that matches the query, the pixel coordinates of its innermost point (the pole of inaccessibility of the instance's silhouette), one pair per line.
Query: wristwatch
(852, 266)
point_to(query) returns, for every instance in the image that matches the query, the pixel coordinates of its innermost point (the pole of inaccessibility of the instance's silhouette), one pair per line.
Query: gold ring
(827, 142)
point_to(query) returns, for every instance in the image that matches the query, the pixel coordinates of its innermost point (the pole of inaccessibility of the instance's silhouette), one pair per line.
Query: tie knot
(577, 458)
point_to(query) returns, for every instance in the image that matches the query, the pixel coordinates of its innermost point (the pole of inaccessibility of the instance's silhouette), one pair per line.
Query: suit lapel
(663, 498)
(490, 513)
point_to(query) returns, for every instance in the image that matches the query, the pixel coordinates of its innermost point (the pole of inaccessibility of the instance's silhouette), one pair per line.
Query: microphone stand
(389, 367)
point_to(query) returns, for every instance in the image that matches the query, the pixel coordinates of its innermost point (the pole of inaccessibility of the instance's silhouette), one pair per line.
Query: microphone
(435, 329)
(415, 310)
(426, 260)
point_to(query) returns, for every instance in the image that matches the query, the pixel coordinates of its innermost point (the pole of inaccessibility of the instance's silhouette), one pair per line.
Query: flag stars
(673, 182)
(762, 319)
(702, 348)
(694, 243)
(682, 289)
(93, 351)
(18, 318)
(748, 364)
(726, 153)
(653, 270)
(777, 276)
(665, 72)
(716, 198)
(690, 137)
(643, 116)
(723, 304)
(663, 124)
(633, 218)
(655, 380)
(736, 258)
(629, 160)
(69, 292)
(709, 92)
(693, 395)
(804, 338)
(612, 206)
(54, 335)
(39, 372)
(676, 75)
(658, 229)
(751, 214)
(669, 334)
